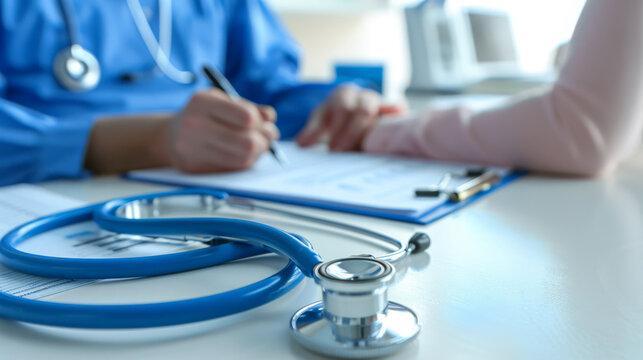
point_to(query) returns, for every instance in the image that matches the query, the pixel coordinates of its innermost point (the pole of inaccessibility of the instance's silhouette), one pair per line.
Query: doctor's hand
(215, 133)
(348, 114)
(212, 133)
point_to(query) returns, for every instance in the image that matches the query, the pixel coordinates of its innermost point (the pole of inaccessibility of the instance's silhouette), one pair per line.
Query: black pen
(220, 82)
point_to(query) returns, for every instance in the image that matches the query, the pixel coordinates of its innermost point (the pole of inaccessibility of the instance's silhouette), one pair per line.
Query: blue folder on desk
(365, 184)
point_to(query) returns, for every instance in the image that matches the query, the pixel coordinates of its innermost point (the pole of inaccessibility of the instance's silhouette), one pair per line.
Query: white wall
(375, 31)
(374, 36)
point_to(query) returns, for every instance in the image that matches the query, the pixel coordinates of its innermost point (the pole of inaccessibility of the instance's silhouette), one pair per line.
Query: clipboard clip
(478, 184)
(483, 180)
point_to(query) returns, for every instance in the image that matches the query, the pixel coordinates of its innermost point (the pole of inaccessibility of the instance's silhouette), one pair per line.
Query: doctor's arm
(35, 146)
(584, 124)
(211, 133)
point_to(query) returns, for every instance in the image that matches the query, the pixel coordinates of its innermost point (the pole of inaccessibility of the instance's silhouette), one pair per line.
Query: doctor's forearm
(121, 144)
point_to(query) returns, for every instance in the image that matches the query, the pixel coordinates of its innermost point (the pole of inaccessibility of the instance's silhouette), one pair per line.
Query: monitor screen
(492, 37)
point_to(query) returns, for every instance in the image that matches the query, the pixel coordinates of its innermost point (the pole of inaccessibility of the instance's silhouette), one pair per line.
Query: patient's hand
(345, 117)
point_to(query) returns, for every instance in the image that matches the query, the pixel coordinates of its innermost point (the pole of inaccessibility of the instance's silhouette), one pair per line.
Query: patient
(585, 124)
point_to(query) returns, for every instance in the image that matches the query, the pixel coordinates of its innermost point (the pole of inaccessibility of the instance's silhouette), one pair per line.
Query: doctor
(147, 104)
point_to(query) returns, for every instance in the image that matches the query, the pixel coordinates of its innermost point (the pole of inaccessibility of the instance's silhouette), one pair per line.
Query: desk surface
(547, 268)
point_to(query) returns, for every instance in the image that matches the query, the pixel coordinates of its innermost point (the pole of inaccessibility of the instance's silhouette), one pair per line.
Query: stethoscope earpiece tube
(152, 314)
(107, 268)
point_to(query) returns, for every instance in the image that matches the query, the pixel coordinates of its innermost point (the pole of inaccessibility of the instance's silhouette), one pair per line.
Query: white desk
(547, 268)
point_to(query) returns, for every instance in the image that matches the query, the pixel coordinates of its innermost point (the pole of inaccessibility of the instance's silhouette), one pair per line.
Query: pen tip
(278, 155)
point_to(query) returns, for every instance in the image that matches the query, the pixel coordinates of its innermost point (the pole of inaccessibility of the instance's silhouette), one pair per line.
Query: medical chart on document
(22, 203)
(359, 181)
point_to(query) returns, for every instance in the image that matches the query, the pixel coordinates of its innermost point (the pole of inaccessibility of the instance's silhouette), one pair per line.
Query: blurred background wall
(374, 32)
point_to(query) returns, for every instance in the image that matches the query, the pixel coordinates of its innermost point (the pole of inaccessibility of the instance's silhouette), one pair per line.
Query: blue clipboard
(430, 216)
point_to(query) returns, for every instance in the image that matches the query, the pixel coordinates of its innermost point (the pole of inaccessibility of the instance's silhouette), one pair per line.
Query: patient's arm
(584, 124)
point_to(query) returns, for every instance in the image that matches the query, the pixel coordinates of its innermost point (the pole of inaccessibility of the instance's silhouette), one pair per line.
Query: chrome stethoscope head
(164, 206)
(76, 68)
(355, 318)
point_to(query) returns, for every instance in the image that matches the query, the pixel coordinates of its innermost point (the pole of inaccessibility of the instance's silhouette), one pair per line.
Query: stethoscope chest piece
(355, 318)
(76, 69)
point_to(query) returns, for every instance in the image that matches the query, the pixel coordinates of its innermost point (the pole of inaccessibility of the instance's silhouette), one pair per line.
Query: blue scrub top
(44, 127)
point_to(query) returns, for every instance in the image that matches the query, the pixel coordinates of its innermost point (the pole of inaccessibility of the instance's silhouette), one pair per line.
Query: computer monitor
(454, 48)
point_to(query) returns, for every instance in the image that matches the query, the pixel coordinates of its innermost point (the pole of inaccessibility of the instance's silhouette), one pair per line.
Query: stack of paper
(24, 202)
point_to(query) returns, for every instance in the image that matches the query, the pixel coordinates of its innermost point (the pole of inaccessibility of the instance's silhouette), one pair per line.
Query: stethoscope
(354, 319)
(77, 69)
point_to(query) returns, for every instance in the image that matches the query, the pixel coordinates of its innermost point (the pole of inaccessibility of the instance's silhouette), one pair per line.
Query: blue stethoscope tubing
(302, 257)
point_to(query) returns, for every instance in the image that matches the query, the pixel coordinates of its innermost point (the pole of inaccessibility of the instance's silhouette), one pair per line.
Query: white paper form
(24, 202)
(356, 180)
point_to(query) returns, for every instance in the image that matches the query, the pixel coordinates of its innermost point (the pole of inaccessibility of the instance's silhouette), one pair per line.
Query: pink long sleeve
(584, 124)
